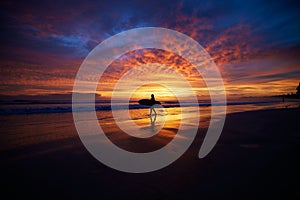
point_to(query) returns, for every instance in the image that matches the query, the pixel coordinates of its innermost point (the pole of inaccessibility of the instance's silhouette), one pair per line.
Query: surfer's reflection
(152, 121)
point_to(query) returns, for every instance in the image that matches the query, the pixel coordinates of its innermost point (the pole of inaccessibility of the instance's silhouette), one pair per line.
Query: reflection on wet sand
(160, 129)
(152, 126)
(29, 130)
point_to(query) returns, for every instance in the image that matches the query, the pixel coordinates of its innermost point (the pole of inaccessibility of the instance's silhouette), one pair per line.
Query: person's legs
(151, 111)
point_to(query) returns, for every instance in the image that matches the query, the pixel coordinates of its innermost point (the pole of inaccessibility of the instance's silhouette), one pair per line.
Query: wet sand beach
(256, 157)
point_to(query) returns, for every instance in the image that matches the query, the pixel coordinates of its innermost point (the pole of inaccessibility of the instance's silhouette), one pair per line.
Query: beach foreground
(256, 157)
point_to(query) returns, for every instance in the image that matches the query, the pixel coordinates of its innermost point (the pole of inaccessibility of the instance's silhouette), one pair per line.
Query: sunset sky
(255, 44)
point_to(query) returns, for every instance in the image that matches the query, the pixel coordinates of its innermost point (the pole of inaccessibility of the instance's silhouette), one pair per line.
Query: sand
(256, 157)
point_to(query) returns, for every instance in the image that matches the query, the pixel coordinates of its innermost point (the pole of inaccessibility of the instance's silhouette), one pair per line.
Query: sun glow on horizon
(161, 93)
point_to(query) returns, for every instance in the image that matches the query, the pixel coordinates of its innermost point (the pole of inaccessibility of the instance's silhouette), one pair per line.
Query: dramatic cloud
(254, 43)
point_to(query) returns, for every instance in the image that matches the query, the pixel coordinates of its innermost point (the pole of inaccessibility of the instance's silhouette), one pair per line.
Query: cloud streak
(255, 44)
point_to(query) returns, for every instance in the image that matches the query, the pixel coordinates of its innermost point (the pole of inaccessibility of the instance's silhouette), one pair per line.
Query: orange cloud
(145, 56)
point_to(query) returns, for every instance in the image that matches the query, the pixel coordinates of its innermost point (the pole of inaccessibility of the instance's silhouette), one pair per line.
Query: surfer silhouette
(152, 104)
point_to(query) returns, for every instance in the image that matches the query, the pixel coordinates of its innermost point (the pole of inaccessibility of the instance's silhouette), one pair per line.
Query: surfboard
(148, 102)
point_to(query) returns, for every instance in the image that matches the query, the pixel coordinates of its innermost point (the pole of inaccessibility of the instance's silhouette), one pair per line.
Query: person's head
(152, 95)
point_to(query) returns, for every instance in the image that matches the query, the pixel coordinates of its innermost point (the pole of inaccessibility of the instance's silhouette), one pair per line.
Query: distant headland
(291, 95)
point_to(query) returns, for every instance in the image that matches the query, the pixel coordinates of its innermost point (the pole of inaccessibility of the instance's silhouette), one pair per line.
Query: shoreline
(63, 107)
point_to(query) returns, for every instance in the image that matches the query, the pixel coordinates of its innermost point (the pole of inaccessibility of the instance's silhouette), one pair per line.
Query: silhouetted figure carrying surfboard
(149, 102)
(153, 103)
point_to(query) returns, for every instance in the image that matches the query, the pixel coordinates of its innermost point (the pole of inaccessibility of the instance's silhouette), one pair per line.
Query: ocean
(233, 105)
